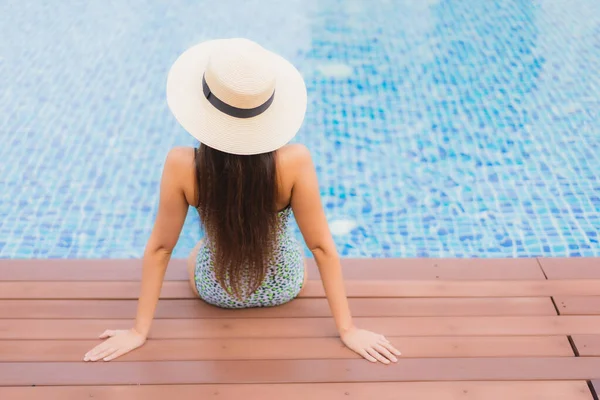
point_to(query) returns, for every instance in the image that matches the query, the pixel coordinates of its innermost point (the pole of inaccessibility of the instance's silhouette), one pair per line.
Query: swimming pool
(439, 128)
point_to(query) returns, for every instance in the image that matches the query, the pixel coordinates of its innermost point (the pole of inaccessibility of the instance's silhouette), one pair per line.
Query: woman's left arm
(172, 210)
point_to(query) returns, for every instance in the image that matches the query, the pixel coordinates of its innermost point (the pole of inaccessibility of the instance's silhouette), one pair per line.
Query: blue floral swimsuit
(283, 282)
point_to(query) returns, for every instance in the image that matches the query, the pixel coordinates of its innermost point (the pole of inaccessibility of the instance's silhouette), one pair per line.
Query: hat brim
(266, 132)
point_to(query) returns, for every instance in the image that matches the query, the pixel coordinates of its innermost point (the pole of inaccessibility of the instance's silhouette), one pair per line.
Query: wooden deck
(468, 329)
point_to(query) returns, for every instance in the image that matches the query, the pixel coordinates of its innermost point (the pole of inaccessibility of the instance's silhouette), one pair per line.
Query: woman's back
(249, 257)
(288, 160)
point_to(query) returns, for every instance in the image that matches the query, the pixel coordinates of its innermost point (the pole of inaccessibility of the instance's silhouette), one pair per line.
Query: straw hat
(237, 97)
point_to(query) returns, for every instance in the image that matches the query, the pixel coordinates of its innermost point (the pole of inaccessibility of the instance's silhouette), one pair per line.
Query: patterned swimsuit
(282, 283)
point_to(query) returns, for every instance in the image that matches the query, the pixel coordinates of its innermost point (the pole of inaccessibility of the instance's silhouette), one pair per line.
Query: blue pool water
(438, 127)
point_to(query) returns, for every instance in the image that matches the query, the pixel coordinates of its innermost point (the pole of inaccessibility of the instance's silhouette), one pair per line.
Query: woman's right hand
(370, 345)
(118, 343)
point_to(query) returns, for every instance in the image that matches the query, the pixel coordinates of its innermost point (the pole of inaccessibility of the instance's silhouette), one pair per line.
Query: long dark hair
(237, 207)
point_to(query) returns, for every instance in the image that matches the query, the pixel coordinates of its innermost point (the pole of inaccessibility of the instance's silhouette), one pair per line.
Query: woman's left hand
(119, 342)
(372, 346)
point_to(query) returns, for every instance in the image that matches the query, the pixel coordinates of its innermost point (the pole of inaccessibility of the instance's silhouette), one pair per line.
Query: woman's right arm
(170, 217)
(172, 210)
(310, 216)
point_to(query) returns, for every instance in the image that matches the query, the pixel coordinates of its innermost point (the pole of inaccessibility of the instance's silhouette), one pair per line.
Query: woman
(244, 104)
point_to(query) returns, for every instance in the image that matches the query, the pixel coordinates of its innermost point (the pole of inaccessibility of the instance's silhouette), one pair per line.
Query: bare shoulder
(292, 160)
(179, 171)
(306, 200)
(294, 156)
(180, 157)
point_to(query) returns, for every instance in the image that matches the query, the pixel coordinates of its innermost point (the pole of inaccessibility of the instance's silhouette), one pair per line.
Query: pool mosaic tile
(440, 128)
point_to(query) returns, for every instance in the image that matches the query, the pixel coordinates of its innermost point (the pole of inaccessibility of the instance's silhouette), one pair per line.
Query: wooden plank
(596, 388)
(298, 371)
(522, 288)
(290, 349)
(587, 345)
(305, 307)
(578, 305)
(313, 289)
(513, 390)
(305, 327)
(571, 268)
(354, 268)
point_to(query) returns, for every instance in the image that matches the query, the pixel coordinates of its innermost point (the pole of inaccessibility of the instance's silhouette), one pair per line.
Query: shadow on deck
(468, 329)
